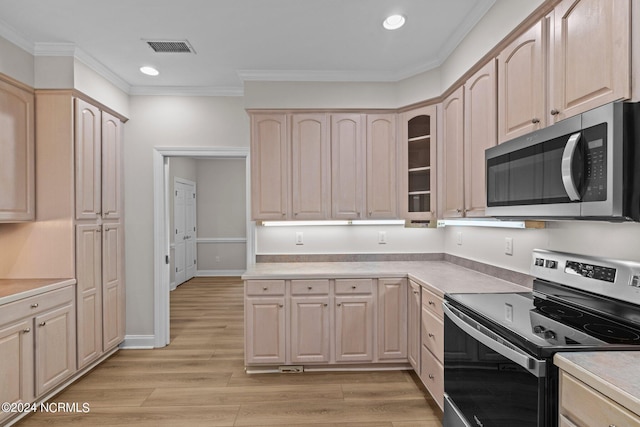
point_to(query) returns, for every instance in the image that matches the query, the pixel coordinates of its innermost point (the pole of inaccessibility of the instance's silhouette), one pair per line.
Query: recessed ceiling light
(149, 71)
(393, 22)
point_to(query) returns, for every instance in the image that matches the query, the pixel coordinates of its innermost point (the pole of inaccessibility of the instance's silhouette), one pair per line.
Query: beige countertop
(613, 373)
(441, 276)
(16, 289)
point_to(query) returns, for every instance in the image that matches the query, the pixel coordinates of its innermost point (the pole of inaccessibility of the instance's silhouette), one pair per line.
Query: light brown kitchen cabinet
(17, 162)
(99, 234)
(583, 406)
(432, 353)
(480, 112)
(453, 154)
(417, 164)
(591, 55)
(381, 166)
(392, 318)
(310, 321)
(354, 328)
(310, 179)
(413, 325)
(269, 166)
(521, 85)
(265, 340)
(37, 345)
(347, 166)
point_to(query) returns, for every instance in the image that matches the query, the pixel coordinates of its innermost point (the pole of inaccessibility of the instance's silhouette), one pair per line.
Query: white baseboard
(205, 273)
(138, 342)
(172, 286)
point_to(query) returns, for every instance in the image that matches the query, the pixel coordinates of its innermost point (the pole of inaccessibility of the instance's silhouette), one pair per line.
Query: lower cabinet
(582, 406)
(325, 321)
(432, 350)
(413, 325)
(37, 345)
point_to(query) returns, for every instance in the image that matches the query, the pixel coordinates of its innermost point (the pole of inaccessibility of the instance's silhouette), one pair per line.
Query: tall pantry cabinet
(92, 171)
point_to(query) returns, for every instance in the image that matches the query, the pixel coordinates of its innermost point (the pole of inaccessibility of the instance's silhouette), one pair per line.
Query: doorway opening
(163, 213)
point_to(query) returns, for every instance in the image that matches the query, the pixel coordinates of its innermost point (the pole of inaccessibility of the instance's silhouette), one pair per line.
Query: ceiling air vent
(170, 46)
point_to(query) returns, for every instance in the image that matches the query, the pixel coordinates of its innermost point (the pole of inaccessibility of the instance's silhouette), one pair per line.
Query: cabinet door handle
(309, 287)
(42, 323)
(326, 304)
(416, 292)
(339, 304)
(280, 305)
(26, 330)
(554, 112)
(432, 303)
(535, 121)
(431, 335)
(431, 376)
(34, 305)
(265, 288)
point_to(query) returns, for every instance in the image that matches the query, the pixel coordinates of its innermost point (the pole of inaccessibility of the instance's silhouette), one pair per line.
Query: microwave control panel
(595, 164)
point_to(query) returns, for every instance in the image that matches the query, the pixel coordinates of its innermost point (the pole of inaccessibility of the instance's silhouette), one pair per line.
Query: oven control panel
(591, 271)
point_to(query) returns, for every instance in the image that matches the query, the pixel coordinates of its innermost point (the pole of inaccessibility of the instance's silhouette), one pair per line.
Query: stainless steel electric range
(499, 347)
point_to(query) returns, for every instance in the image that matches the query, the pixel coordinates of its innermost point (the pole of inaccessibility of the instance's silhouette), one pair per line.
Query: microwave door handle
(567, 167)
(475, 330)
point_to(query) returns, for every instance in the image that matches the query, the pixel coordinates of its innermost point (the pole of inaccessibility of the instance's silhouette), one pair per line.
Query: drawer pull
(265, 288)
(431, 335)
(431, 377)
(42, 323)
(353, 287)
(309, 287)
(339, 304)
(280, 305)
(432, 303)
(554, 112)
(326, 304)
(26, 330)
(416, 292)
(35, 305)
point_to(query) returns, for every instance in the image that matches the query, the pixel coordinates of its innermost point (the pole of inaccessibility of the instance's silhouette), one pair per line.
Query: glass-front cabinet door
(418, 164)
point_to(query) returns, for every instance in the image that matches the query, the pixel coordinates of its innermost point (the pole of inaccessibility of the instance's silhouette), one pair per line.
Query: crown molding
(7, 32)
(186, 91)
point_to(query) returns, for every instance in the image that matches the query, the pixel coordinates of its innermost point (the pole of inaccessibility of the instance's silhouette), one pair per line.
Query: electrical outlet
(508, 245)
(299, 238)
(382, 237)
(459, 238)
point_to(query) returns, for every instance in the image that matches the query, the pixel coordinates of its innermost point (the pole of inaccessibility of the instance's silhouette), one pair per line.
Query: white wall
(170, 121)
(16, 62)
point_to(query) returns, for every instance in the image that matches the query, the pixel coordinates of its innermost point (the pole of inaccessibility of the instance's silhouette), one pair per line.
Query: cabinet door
(417, 165)
(413, 326)
(452, 144)
(347, 173)
(111, 167)
(381, 166)
(521, 68)
(310, 166)
(354, 328)
(265, 330)
(591, 59)
(89, 292)
(55, 347)
(88, 156)
(16, 369)
(269, 167)
(480, 119)
(17, 162)
(392, 319)
(112, 285)
(310, 329)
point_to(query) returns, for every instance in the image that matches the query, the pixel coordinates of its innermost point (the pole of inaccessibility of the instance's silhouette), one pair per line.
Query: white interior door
(185, 230)
(190, 232)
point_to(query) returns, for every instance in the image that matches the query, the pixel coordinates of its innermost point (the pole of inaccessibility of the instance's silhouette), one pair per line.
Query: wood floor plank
(199, 380)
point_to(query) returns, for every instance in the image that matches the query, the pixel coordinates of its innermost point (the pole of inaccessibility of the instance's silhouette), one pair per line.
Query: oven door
(490, 382)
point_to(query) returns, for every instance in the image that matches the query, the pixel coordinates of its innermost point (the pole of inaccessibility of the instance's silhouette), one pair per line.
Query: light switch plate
(299, 238)
(508, 245)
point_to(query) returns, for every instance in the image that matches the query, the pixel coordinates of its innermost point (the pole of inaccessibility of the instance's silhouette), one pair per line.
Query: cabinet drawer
(586, 407)
(35, 304)
(309, 287)
(354, 286)
(265, 287)
(432, 302)
(432, 376)
(433, 333)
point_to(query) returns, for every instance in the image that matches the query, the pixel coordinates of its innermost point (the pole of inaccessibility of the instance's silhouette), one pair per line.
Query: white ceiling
(239, 40)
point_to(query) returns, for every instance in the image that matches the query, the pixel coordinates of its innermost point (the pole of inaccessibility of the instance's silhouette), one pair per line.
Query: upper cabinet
(590, 47)
(347, 173)
(480, 112)
(381, 166)
(269, 166)
(452, 147)
(417, 164)
(310, 166)
(17, 161)
(521, 71)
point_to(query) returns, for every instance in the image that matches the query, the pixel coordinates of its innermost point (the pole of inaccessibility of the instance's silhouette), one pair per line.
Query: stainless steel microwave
(583, 167)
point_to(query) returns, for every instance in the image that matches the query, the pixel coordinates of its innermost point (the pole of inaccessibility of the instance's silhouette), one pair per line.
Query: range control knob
(549, 335)
(538, 329)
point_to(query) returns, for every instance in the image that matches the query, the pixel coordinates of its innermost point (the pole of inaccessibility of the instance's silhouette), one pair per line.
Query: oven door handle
(490, 339)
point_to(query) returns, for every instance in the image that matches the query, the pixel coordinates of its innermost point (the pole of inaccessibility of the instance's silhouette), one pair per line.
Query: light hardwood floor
(199, 380)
